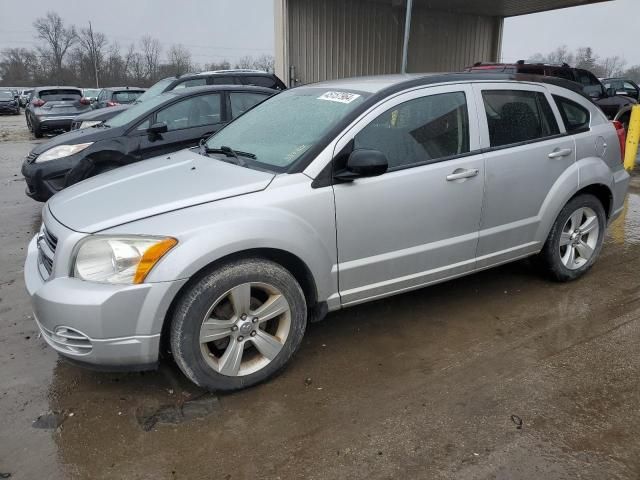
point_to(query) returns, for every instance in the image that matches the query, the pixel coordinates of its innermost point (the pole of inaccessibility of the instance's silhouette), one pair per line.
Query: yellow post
(633, 138)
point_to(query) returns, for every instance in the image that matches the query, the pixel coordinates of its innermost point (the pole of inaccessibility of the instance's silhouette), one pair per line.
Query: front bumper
(107, 326)
(45, 179)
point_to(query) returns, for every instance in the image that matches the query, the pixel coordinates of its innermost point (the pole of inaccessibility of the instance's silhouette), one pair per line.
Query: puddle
(199, 407)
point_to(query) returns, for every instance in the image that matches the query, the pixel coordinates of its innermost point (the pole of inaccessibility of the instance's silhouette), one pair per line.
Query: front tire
(238, 325)
(575, 240)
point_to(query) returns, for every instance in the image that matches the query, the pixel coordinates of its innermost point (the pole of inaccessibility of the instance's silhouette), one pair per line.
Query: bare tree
(179, 59)
(93, 45)
(18, 66)
(151, 55)
(57, 38)
(561, 55)
(223, 65)
(262, 62)
(613, 66)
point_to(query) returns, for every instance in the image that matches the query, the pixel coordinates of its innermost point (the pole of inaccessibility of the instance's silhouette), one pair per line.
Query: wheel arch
(294, 264)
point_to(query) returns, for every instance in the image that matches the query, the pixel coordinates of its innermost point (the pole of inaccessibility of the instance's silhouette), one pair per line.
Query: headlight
(90, 123)
(124, 260)
(62, 151)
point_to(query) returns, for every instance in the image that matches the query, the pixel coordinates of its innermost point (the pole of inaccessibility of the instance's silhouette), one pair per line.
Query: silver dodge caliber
(322, 197)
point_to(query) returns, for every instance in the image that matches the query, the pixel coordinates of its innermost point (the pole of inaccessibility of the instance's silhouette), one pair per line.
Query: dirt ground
(499, 375)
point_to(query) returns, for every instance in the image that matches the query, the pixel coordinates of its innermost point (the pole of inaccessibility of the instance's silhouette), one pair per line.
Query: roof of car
(120, 88)
(54, 87)
(379, 83)
(213, 88)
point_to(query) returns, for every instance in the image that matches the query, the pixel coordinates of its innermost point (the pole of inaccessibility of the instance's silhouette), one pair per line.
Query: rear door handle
(560, 152)
(461, 173)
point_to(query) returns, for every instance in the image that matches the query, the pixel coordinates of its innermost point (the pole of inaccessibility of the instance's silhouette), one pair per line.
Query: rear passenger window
(420, 130)
(516, 116)
(259, 81)
(243, 101)
(576, 118)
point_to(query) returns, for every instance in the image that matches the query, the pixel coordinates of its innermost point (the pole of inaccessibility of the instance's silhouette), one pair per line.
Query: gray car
(320, 198)
(52, 109)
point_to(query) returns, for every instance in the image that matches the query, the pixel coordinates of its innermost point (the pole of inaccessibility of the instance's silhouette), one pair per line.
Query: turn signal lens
(151, 257)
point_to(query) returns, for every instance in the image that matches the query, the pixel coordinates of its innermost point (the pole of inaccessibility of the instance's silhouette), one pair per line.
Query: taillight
(622, 137)
(38, 102)
(85, 101)
(112, 104)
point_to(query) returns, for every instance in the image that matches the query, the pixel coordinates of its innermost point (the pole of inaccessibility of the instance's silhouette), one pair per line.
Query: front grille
(68, 340)
(47, 243)
(51, 239)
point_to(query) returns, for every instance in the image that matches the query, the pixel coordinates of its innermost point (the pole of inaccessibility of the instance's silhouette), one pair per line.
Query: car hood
(101, 113)
(152, 187)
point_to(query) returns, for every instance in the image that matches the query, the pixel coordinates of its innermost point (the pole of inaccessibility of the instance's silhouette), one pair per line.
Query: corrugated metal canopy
(499, 8)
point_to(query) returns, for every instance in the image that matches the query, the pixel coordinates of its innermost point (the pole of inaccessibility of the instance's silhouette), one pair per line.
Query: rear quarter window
(126, 96)
(576, 118)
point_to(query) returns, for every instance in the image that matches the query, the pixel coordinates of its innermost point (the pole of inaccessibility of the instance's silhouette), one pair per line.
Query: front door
(525, 155)
(417, 223)
(187, 120)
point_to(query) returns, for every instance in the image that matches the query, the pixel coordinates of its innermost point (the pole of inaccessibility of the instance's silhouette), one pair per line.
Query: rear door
(526, 152)
(188, 120)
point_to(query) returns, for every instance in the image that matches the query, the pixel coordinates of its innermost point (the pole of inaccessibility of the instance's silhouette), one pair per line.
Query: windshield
(6, 96)
(139, 110)
(155, 90)
(281, 129)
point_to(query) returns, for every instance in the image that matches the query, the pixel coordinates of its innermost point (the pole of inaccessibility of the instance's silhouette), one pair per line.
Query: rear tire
(252, 310)
(575, 240)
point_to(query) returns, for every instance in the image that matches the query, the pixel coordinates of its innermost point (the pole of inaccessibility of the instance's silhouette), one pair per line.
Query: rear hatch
(62, 102)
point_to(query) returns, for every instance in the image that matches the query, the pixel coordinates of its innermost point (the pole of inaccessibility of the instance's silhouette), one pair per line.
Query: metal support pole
(407, 33)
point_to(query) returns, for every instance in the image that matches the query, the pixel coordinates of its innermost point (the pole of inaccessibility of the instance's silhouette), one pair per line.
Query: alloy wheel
(245, 329)
(579, 238)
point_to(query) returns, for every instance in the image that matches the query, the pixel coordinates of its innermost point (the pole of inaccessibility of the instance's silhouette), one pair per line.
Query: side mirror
(363, 163)
(157, 128)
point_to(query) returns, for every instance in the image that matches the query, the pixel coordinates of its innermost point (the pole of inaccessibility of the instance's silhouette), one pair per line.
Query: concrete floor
(431, 384)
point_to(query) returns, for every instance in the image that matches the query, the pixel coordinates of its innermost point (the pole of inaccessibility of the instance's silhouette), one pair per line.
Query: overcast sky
(214, 30)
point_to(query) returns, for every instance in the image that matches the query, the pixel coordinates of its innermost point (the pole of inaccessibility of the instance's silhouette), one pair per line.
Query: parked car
(166, 123)
(321, 197)
(91, 94)
(8, 103)
(622, 86)
(114, 96)
(24, 97)
(611, 105)
(52, 109)
(215, 77)
(95, 117)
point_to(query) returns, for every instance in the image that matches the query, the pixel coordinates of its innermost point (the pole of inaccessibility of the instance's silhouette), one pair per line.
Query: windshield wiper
(228, 152)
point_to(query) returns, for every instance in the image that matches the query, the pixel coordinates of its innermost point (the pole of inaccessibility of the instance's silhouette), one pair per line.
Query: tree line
(67, 55)
(586, 58)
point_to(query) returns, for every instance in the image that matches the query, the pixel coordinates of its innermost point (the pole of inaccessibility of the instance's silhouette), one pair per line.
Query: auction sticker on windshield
(342, 97)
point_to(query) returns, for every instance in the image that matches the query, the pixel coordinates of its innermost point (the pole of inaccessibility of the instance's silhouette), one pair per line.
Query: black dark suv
(614, 106)
(254, 78)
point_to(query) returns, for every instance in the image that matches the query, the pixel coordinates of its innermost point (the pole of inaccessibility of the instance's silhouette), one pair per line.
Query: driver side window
(191, 112)
(422, 130)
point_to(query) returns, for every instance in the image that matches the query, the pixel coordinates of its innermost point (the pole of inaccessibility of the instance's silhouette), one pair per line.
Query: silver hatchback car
(322, 197)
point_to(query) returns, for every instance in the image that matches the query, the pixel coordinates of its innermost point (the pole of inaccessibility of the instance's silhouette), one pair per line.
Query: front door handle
(560, 152)
(462, 173)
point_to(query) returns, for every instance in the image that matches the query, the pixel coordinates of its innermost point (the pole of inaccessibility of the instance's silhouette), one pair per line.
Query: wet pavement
(499, 375)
